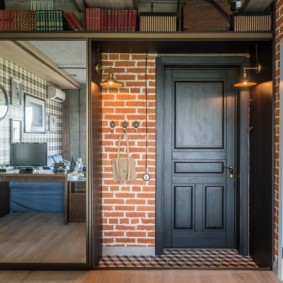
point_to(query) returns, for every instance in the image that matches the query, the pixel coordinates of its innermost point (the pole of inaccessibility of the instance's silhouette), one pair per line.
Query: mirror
(3, 102)
(44, 220)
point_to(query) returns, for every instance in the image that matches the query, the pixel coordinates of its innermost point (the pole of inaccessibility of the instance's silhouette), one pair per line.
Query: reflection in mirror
(42, 213)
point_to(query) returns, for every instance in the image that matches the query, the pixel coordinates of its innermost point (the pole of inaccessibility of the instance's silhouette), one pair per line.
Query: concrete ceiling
(62, 63)
(69, 56)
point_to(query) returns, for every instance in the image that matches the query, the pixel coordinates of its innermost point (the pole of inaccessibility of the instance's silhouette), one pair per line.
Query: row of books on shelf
(98, 19)
(40, 20)
(42, 4)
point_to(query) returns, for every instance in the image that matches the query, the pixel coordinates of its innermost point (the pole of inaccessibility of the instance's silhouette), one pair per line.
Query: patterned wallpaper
(35, 86)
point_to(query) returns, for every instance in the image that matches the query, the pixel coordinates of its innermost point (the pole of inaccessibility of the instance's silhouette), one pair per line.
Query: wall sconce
(110, 81)
(245, 82)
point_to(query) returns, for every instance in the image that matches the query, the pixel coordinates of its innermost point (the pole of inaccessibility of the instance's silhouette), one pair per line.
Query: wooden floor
(139, 276)
(24, 238)
(42, 238)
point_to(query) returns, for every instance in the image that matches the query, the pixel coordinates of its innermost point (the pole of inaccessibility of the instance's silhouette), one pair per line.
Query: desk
(77, 201)
(14, 176)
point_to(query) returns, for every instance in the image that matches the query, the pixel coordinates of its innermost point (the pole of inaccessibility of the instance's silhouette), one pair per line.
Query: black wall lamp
(245, 82)
(110, 81)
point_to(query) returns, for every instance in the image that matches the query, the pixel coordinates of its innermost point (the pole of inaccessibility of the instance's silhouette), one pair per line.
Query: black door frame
(242, 182)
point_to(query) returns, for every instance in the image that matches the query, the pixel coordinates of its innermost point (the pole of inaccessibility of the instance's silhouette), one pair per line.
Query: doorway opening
(202, 169)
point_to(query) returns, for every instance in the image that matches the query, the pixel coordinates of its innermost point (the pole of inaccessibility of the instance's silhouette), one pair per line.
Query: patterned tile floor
(182, 258)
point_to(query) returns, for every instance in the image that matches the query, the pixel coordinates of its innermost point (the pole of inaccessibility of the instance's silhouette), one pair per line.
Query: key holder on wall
(124, 125)
(112, 126)
(146, 176)
(136, 124)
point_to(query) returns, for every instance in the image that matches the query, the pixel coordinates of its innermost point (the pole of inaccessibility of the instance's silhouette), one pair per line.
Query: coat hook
(124, 125)
(112, 125)
(136, 124)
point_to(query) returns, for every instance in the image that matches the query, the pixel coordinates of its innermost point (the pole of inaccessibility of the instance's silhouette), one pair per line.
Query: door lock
(231, 171)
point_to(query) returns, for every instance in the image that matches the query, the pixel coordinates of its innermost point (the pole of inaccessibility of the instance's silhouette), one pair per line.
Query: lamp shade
(110, 81)
(245, 82)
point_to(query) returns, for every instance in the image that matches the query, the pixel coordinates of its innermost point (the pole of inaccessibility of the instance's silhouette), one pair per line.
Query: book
(69, 21)
(108, 20)
(49, 20)
(41, 5)
(97, 19)
(125, 21)
(133, 20)
(23, 20)
(73, 21)
(6, 20)
(93, 19)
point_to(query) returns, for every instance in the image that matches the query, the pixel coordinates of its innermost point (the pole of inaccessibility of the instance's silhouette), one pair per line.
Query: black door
(199, 146)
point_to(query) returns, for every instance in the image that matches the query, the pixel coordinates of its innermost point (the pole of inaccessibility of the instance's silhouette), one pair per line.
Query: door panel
(214, 204)
(199, 115)
(183, 207)
(199, 137)
(198, 167)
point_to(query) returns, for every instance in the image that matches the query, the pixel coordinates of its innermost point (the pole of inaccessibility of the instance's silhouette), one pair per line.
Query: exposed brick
(125, 240)
(135, 201)
(136, 234)
(113, 214)
(146, 241)
(124, 221)
(113, 201)
(133, 204)
(114, 234)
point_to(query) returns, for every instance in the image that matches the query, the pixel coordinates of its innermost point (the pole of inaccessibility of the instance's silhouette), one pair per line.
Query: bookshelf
(133, 40)
(67, 15)
(97, 15)
(46, 15)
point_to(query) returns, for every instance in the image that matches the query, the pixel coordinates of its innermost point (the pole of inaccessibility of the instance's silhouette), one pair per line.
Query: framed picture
(34, 114)
(52, 123)
(4, 102)
(16, 92)
(16, 131)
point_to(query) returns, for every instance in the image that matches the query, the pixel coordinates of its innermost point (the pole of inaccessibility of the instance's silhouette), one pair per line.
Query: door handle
(231, 171)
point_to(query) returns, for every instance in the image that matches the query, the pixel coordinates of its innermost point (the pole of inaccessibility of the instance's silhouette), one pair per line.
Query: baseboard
(275, 270)
(128, 251)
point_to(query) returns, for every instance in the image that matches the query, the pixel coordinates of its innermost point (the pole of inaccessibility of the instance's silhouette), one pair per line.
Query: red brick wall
(129, 209)
(278, 37)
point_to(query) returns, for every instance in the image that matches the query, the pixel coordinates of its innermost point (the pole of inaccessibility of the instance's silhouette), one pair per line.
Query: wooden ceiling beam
(255, 5)
(79, 4)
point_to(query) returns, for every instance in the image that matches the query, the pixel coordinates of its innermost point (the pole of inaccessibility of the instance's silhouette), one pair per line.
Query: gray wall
(77, 123)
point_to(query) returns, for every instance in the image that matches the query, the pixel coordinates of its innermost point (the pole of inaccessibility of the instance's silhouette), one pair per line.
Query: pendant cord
(146, 115)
